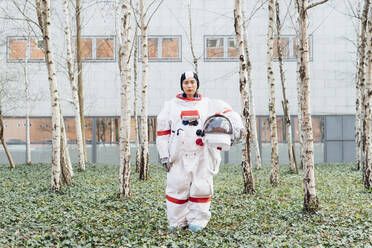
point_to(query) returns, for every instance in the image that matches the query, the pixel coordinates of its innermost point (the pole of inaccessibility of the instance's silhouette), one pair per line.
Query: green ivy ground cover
(88, 214)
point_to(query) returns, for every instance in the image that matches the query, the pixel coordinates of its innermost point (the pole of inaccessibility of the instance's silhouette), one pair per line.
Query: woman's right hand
(167, 166)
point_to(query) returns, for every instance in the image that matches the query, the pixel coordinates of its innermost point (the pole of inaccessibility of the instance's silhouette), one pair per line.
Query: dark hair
(185, 96)
(183, 77)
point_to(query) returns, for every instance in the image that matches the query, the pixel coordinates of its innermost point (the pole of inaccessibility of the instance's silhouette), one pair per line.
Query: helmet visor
(217, 124)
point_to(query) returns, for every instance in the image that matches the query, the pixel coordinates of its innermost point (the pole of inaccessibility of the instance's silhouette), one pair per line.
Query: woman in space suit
(189, 162)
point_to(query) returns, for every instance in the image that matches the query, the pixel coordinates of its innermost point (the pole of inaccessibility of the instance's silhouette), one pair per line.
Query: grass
(88, 213)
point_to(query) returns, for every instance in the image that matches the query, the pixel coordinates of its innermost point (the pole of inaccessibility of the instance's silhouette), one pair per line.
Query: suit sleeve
(163, 131)
(235, 119)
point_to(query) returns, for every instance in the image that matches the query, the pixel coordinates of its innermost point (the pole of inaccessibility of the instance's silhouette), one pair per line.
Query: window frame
(292, 57)
(225, 57)
(28, 49)
(160, 48)
(94, 58)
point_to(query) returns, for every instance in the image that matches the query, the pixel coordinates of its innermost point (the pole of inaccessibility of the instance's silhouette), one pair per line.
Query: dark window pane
(215, 48)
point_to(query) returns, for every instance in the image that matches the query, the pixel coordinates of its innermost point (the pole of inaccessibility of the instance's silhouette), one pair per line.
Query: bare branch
(157, 7)
(254, 11)
(39, 7)
(321, 23)
(135, 14)
(315, 4)
(22, 12)
(133, 45)
(148, 7)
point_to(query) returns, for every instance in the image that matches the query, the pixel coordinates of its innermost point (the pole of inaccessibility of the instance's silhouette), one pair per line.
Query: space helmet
(218, 132)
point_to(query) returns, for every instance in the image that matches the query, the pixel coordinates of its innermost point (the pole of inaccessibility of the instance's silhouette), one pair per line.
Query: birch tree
(358, 108)
(80, 74)
(74, 88)
(274, 177)
(246, 163)
(366, 95)
(252, 117)
(194, 58)
(66, 166)
(311, 202)
(27, 100)
(144, 169)
(285, 104)
(299, 83)
(123, 28)
(135, 102)
(43, 13)
(143, 23)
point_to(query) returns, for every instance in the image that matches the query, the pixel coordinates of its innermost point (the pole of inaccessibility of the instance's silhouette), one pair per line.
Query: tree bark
(367, 168)
(135, 89)
(358, 108)
(311, 203)
(194, 58)
(299, 87)
(43, 12)
(252, 117)
(2, 139)
(74, 89)
(144, 170)
(80, 76)
(27, 95)
(123, 30)
(66, 166)
(246, 163)
(274, 174)
(285, 104)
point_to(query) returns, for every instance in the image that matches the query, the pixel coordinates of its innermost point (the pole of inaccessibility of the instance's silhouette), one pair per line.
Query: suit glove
(166, 165)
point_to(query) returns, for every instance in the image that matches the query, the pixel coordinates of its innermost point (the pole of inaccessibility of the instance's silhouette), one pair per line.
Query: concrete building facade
(332, 64)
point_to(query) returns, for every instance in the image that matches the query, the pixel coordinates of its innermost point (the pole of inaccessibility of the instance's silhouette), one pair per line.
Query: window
(22, 48)
(220, 48)
(288, 45)
(163, 48)
(265, 129)
(98, 48)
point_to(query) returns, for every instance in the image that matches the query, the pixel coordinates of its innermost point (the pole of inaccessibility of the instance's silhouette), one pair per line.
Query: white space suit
(190, 179)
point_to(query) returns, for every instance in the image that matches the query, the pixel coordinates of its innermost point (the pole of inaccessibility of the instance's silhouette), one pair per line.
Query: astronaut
(189, 161)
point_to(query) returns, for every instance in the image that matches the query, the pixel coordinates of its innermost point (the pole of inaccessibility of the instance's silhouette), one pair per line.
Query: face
(189, 86)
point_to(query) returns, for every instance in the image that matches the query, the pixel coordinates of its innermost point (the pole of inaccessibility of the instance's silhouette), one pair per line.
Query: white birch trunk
(299, 106)
(123, 29)
(74, 89)
(144, 170)
(195, 59)
(66, 166)
(252, 117)
(80, 76)
(299, 87)
(43, 11)
(367, 168)
(358, 112)
(285, 104)
(27, 95)
(274, 177)
(311, 202)
(135, 89)
(246, 163)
